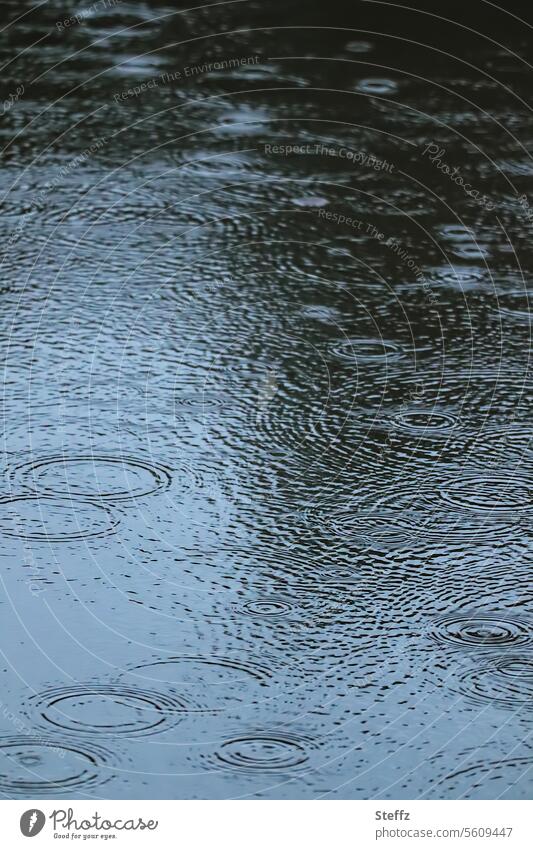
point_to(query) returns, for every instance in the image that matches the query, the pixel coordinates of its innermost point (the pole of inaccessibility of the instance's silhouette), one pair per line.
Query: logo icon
(32, 822)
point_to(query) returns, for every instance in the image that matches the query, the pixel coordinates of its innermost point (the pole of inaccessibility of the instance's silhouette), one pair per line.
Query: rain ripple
(505, 681)
(44, 519)
(480, 631)
(33, 766)
(109, 478)
(276, 752)
(107, 709)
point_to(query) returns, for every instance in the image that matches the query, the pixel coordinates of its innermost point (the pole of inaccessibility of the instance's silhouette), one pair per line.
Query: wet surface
(266, 507)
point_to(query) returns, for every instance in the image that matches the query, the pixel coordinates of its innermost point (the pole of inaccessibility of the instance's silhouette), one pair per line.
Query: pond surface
(266, 505)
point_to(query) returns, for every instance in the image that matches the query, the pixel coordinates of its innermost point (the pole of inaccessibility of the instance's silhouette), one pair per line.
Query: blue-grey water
(266, 491)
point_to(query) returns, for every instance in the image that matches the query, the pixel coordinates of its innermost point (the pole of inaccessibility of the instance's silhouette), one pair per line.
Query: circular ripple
(463, 242)
(421, 511)
(107, 477)
(377, 85)
(516, 305)
(481, 631)
(31, 766)
(425, 422)
(475, 389)
(202, 669)
(219, 680)
(366, 350)
(53, 519)
(509, 443)
(490, 779)
(205, 401)
(312, 430)
(263, 752)
(321, 312)
(457, 233)
(269, 608)
(460, 278)
(107, 709)
(101, 391)
(164, 389)
(506, 681)
(338, 576)
(397, 527)
(439, 525)
(494, 493)
(376, 527)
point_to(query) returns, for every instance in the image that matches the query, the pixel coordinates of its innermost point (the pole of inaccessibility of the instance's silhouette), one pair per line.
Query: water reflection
(266, 506)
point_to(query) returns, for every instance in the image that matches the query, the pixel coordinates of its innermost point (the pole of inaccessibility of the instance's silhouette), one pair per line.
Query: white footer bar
(267, 824)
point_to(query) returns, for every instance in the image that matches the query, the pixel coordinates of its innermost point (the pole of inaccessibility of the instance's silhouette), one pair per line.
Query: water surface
(266, 503)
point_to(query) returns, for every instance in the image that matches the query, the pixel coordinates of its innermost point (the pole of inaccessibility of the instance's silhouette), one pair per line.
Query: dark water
(266, 459)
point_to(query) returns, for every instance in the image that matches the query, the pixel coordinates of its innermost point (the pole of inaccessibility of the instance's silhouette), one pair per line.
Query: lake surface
(266, 403)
